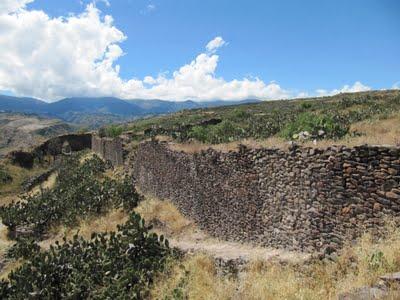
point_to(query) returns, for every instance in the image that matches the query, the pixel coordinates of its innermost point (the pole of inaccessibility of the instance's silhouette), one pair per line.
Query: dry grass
(9, 267)
(196, 147)
(106, 223)
(9, 190)
(195, 277)
(47, 184)
(165, 215)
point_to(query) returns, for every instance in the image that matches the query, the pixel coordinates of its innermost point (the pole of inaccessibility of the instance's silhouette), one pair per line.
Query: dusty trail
(235, 251)
(184, 235)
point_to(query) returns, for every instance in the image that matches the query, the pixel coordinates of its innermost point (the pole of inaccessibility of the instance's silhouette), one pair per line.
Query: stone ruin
(303, 199)
(110, 149)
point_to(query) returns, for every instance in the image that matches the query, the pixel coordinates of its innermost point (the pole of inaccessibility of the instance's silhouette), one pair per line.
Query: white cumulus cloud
(396, 86)
(9, 6)
(52, 58)
(77, 55)
(356, 87)
(214, 44)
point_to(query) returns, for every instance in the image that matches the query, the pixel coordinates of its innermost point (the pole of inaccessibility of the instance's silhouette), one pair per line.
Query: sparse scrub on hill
(273, 118)
(224, 132)
(79, 191)
(19, 175)
(111, 131)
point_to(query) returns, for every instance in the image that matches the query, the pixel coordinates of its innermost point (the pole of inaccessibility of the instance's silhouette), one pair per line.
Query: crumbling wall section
(109, 149)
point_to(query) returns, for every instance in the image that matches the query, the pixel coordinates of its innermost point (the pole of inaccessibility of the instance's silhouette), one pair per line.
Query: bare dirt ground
(233, 251)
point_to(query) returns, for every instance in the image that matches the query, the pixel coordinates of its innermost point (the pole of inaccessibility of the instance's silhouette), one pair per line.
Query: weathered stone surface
(364, 293)
(392, 277)
(300, 199)
(109, 149)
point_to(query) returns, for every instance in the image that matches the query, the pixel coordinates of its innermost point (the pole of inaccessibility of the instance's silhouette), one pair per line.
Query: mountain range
(95, 112)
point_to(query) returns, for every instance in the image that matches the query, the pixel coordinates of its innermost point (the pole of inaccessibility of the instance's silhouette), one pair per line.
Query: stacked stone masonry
(303, 199)
(109, 149)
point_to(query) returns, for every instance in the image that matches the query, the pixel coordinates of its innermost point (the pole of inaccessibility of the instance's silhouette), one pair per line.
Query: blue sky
(301, 46)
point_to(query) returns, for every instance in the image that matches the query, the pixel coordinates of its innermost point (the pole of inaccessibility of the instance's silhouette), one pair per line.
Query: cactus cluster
(110, 265)
(115, 265)
(80, 191)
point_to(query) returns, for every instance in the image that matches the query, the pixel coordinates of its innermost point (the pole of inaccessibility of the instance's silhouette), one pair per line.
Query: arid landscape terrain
(21, 131)
(199, 150)
(204, 237)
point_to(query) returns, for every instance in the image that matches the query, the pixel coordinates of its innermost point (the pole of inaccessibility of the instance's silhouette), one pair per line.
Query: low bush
(115, 265)
(317, 126)
(79, 192)
(226, 131)
(111, 131)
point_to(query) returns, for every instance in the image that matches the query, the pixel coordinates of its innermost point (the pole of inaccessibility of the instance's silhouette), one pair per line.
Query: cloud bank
(356, 87)
(51, 58)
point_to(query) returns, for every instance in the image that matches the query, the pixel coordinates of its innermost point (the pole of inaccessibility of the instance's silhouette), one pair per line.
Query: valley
(23, 131)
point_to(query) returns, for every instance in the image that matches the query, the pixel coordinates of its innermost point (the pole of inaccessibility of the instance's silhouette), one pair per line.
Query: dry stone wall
(77, 142)
(109, 149)
(303, 199)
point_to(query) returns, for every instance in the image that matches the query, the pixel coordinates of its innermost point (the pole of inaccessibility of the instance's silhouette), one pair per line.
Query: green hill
(301, 119)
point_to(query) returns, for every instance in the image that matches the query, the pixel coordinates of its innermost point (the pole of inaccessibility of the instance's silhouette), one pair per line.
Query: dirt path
(185, 235)
(234, 251)
(200, 242)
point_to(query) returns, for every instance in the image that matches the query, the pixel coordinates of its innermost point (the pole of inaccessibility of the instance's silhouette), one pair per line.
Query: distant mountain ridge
(102, 110)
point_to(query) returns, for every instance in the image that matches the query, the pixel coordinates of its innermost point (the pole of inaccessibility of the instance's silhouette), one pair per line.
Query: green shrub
(305, 105)
(115, 265)
(24, 248)
(312, 123)
(199, 133)
(226, 131)
(238, 114)
(111, 131)
(79, 192)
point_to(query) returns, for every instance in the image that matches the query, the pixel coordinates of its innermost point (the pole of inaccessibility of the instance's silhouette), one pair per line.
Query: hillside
(26, 130)
(95, 112)
(366, 117)
(249, 224)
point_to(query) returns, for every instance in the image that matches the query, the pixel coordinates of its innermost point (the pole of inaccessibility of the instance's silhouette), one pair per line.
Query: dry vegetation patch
(196, 276)
(86, 227)
(164, 216)
(10, 190)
